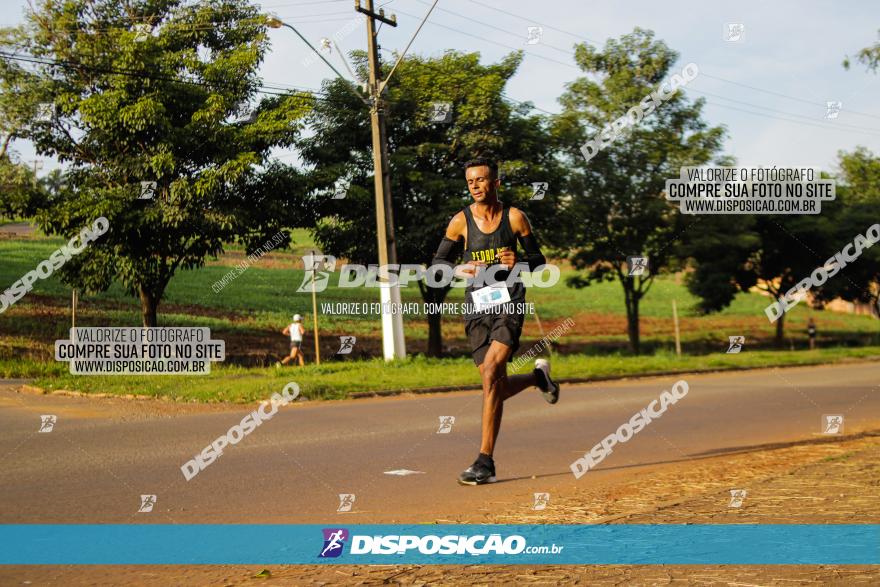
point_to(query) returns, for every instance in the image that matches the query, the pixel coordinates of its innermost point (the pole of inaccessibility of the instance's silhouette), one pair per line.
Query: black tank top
(484, 247)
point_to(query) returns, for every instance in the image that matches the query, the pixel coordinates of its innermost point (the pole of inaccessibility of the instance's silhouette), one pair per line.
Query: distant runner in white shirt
(296, 331)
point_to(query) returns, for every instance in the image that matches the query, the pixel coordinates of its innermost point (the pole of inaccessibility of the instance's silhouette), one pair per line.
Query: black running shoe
(479, 473)
(549, 388)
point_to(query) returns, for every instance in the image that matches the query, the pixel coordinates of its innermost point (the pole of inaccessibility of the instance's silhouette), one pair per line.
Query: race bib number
(489, 296)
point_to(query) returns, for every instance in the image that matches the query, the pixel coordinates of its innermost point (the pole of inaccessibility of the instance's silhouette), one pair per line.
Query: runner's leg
(497, 387)
(289, 357)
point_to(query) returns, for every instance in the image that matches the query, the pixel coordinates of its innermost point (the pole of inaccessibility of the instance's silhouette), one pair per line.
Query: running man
(296, 331)
(489, 233)
(334, 542)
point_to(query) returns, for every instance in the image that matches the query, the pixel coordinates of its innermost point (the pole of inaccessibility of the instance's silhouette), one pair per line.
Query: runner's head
(481, 175)
(297, 318)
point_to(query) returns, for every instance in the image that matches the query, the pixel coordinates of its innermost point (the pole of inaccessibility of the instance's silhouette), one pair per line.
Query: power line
(261, 89)
(459, 31)
(571, 65)
(792, 121)
(487, 25)
(721, 79)
(302, 3)
(809, 119)
(203, 26)
(533, 21)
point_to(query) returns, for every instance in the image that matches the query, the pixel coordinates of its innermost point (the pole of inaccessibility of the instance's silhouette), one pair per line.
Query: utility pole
(677, 330)
(315, 310)
(37, 165)
(392, 322)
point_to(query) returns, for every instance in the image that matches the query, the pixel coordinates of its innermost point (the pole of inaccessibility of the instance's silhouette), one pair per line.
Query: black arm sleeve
(448, 252)
(533, 256)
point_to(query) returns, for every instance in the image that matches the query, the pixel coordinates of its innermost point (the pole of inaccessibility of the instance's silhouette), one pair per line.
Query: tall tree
(859, 190)
(426, 157)
(732, 254)
(156, 91)
(616, 208)
(18, 105)
(22, 193)
(868, 56)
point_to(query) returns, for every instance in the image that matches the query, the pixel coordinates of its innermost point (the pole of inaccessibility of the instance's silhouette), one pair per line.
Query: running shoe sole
(487, 481)
(551, 396)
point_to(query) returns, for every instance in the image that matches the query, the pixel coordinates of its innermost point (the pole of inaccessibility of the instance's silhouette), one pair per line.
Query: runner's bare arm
(286, 330)
(519, 222)
(457, 229)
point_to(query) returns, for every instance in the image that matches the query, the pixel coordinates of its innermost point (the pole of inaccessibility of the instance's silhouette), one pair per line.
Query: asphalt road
(103, 454)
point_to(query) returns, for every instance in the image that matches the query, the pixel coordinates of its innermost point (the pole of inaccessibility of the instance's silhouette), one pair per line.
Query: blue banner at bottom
(159, 544)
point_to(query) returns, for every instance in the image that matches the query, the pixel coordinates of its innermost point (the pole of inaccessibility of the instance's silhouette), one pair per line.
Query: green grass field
(249, 312)
(337, 380)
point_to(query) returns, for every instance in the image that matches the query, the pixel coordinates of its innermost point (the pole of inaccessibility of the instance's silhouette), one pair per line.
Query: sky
(769, 88)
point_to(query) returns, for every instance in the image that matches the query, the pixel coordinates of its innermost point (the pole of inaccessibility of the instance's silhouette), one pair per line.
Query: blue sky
(778, 76)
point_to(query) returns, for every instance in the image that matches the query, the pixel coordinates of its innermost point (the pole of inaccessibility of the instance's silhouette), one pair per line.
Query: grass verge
(338, 380)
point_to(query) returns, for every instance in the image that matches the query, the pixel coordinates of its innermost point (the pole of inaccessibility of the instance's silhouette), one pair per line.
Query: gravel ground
(811, 482)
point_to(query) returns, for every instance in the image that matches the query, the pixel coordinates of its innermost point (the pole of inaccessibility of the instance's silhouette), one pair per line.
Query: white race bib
(489, 296)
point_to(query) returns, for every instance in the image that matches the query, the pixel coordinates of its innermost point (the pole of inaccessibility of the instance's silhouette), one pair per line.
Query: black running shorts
(481, 331)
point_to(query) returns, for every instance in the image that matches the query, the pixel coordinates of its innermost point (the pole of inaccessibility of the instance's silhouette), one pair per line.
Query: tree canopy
(159, 95)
